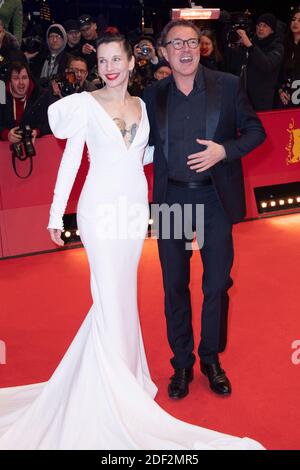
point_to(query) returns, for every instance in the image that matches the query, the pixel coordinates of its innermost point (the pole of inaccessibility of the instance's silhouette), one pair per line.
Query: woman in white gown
(101, 395)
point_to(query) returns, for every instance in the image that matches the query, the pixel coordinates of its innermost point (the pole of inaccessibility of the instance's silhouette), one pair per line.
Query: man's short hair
(172, 24)
(17, 66)
(79, 59)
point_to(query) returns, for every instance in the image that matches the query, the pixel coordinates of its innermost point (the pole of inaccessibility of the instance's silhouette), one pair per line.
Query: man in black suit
(201, 125)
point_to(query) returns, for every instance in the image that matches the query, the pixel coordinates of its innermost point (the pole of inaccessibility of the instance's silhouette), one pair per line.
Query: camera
(145, 50)
(26, 143)
(32, 44)
(68, 84)
(238, 20)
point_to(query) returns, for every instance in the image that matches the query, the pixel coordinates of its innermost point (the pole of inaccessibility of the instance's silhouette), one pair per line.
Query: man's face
(74, 37)
(163, 72)
(263, 30)
(19, 83)
(80, 70)
(56, 42)
(89, 32)
(183, 62)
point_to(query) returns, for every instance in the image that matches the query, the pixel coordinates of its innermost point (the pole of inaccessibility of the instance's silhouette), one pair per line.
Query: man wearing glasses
(201, 125)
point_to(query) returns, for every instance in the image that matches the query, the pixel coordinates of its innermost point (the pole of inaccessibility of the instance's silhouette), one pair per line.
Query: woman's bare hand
(55, 235)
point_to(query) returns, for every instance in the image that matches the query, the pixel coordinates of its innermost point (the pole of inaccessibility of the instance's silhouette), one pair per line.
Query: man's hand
(31, 55)
(87, 49)
(34, 135)
(285, 97)
(13, 136)
(55, 89)
(204, 160)
(244, 38)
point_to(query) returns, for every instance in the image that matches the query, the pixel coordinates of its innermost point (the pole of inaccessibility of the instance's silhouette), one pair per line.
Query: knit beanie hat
(269, 19)
(55, 30)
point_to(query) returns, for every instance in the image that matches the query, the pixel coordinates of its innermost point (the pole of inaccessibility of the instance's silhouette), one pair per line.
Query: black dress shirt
(186, 123)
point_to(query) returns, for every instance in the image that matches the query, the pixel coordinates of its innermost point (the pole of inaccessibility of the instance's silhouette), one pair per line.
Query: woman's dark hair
(108, 38)
(172, 24)
(211, 35)
(291, 50)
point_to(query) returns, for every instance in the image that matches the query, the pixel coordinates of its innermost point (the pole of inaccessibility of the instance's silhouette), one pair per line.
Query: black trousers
(217, 259)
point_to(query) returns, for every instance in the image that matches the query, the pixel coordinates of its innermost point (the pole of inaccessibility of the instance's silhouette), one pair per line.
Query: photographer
(145, 60)
(75, 80)
(26, 104)
(264, 58)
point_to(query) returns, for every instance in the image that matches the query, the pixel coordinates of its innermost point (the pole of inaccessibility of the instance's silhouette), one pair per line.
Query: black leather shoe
(218, 381)
(179, 386)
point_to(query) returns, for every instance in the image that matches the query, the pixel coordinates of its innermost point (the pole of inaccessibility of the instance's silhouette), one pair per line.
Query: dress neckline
(115, 125)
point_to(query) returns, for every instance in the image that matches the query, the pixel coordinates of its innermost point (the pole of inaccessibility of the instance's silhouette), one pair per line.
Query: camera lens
(145, 50)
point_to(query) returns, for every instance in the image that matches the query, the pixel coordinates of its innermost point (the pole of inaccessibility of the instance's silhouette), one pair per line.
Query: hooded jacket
(56, 61)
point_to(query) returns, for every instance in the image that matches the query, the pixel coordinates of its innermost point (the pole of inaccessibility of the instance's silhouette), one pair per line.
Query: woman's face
(206, 46)
(113, 64)
(295, 23)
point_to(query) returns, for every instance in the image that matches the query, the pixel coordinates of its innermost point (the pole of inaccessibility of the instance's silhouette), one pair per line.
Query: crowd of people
(40, 70)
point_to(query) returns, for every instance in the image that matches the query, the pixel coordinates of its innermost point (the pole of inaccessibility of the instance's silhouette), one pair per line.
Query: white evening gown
(101, 395)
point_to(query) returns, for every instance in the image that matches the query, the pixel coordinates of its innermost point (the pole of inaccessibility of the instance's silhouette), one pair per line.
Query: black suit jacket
(230, 121)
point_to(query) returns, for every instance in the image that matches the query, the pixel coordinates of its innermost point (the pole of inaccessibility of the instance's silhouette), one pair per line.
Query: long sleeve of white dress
(67, 119)
(148, 155)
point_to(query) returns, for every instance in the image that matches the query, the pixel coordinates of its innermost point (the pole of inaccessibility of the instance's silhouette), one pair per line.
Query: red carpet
(44, 299)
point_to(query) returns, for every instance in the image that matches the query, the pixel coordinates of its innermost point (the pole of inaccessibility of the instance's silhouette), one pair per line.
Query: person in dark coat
(289, 78)
(201, 124)
(26, 104)
(265, 54)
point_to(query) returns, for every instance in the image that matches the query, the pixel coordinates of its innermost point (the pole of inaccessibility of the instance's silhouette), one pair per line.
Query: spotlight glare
(264, 205)
(273, 203)
(151, 222)
(298, 199)
(290, 200)
(67, 234)
(281, 202)
(77, 233)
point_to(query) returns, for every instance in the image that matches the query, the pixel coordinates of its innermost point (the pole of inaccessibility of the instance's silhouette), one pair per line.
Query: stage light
(290, 200)
(298, 199)
(195, 13)
(273, 204)
(264, 205)
(151, 222)
(281, 202)
(67, 234)
(77, 233)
